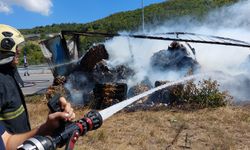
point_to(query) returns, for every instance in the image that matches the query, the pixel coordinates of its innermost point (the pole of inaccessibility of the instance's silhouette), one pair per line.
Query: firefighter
(12, 104)
(13, 111)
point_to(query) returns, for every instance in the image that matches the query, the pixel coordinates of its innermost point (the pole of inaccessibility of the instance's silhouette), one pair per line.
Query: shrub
(205, 94)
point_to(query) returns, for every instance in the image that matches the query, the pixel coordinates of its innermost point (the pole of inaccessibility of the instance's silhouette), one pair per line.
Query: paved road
(40, 79)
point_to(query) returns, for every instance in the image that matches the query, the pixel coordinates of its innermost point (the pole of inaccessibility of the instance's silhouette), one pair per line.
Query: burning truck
(88, 77)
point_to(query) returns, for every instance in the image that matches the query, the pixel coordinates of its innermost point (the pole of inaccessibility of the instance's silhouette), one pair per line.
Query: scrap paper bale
(138, 89)
(108, 94)
(168, 96)
(175, 58)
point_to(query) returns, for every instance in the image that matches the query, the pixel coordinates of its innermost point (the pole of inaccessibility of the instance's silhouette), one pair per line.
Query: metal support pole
(142, 5)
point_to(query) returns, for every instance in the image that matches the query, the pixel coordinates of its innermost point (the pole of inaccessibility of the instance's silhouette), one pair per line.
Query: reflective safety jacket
(13, 111)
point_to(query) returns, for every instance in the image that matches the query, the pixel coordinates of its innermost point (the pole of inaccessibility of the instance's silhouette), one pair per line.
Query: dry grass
(220, 128)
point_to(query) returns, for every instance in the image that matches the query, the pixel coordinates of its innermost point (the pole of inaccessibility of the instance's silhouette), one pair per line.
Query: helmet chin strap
(6, 57)
(6, 60)
(7, 67)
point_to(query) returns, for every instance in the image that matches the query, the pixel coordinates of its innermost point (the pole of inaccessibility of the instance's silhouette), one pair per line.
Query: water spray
(74, 62)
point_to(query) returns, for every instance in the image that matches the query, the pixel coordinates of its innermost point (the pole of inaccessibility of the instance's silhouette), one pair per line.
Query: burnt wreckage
(87, 79)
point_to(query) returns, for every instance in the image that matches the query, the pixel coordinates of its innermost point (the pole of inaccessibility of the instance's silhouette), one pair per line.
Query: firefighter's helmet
(10, 39)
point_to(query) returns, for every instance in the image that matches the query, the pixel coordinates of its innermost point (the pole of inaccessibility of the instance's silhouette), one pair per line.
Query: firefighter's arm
(52, 123)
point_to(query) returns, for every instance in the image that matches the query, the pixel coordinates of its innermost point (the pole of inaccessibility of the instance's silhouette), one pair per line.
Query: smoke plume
(233, 62)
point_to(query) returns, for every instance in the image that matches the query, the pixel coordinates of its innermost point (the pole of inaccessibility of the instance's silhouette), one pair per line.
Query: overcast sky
(32, 13)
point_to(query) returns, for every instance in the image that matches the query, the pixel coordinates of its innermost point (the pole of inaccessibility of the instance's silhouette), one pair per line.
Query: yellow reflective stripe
(13, 114)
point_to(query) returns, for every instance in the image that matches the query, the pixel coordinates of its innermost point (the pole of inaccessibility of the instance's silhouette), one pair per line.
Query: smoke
(230, 21)
(39, 6)
(136, 53)
(74, 85)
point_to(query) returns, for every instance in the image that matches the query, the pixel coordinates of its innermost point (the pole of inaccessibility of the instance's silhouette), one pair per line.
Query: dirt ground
(165, 129)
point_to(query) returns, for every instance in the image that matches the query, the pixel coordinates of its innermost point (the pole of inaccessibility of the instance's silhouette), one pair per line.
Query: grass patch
(35, 98)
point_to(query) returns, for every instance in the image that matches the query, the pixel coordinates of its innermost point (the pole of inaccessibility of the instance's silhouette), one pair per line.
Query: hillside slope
(155, 14)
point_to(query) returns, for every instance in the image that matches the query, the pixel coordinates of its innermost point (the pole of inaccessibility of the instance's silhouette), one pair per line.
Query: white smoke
(74, 85)
(231, 21)
(39, 6)
(134, 52)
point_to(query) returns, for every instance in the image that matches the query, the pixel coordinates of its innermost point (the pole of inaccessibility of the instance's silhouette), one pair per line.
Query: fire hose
(68, 134)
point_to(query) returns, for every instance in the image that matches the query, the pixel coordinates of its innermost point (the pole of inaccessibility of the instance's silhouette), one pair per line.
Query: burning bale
(166, 96)
(59, 80)
(138, 89)
(108, 94)
(94, 55)
(79, 82)
(94, 65)
(90, 81)
(102, 73)
(99, 77)
(57, 87)
(175, 58)
(122, 72)
(53, 90)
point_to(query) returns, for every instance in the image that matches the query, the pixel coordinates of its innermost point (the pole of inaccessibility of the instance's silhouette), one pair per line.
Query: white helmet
(10, 38)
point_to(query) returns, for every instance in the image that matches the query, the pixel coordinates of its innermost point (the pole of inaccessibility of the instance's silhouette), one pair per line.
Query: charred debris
(88, 80)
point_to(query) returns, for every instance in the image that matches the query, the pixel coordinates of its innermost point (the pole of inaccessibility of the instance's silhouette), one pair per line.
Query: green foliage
(205, 94)
(54, 28)
(34, 54)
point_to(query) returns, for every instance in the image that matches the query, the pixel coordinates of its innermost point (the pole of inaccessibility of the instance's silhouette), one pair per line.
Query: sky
(26, 14)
